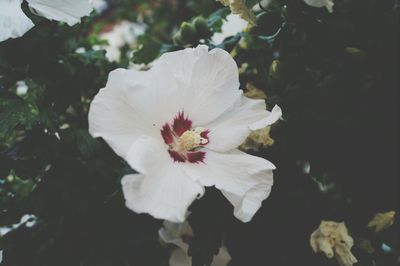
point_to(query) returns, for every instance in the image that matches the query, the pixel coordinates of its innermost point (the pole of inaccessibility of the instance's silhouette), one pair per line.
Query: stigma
(192, 139)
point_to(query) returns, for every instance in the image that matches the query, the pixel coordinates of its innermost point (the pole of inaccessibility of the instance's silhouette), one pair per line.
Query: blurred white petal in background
(233, 25)
(123, 33)
(99, 5)
(14, 23)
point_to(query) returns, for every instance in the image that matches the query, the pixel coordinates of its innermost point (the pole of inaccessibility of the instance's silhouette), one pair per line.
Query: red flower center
(184, 142)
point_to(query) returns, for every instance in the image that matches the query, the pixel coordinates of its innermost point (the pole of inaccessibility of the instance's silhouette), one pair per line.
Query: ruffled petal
(174, 233)
(246, 206)
(13, 22)
(114, 118)
(244, 179)
(164, 193)
(201, 83)
(146, 97)
(233, 127)
(68, 11)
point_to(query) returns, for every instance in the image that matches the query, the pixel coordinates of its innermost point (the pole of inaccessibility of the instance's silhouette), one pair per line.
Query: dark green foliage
(335, 75)
(209, 219)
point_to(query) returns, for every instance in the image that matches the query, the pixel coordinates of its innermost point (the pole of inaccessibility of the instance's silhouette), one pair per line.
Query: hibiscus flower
(179, 125)
(14, 23)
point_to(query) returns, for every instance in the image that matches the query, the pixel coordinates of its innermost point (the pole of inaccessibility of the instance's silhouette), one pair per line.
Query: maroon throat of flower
(185, 143)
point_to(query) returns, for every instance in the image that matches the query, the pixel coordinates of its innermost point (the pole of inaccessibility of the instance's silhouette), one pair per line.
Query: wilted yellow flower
(332, 238)
(382, 221)
(258, 139)
(239, 7)
(254, 93)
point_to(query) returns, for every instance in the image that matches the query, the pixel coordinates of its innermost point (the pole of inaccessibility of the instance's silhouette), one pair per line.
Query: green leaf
(16, 112)
(251, 3)
(19, 186)
(86, 144)
(216, 19)
(147, 51)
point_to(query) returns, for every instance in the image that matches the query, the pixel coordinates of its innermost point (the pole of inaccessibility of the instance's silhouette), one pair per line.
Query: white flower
(179, 125)
(14, 23)
(321, 3)
(124, 33)
(1, 256)
(233, 25)
(178, 234)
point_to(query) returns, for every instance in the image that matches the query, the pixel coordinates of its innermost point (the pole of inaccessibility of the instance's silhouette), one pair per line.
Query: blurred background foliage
(335, 75)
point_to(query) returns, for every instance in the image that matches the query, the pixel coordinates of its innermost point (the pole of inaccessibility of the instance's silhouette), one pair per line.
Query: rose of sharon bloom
(14, 23)
(179, 125)
(179, 234)
(321, 3)
(333, 239)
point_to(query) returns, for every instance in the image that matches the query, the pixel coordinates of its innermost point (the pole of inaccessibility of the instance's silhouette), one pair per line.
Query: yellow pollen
(191, 139)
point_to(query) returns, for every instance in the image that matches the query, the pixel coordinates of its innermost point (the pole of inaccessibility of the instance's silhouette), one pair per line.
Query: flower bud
(177, 38)
(188, 33)
(202, 30)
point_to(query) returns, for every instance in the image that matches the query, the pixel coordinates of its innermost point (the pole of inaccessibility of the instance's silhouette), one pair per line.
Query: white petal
(321, 3)
(114, 118)
(99, 5)
(231, 26)
(272, 117)
(222, 258)
(233, 127)
(246, 180)
(172, 233)
(68, 11)
(147, 98)
(13, 22)
(179, 258)
(146, 153)
(202, 83)
(246, 206)
(166, 193)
